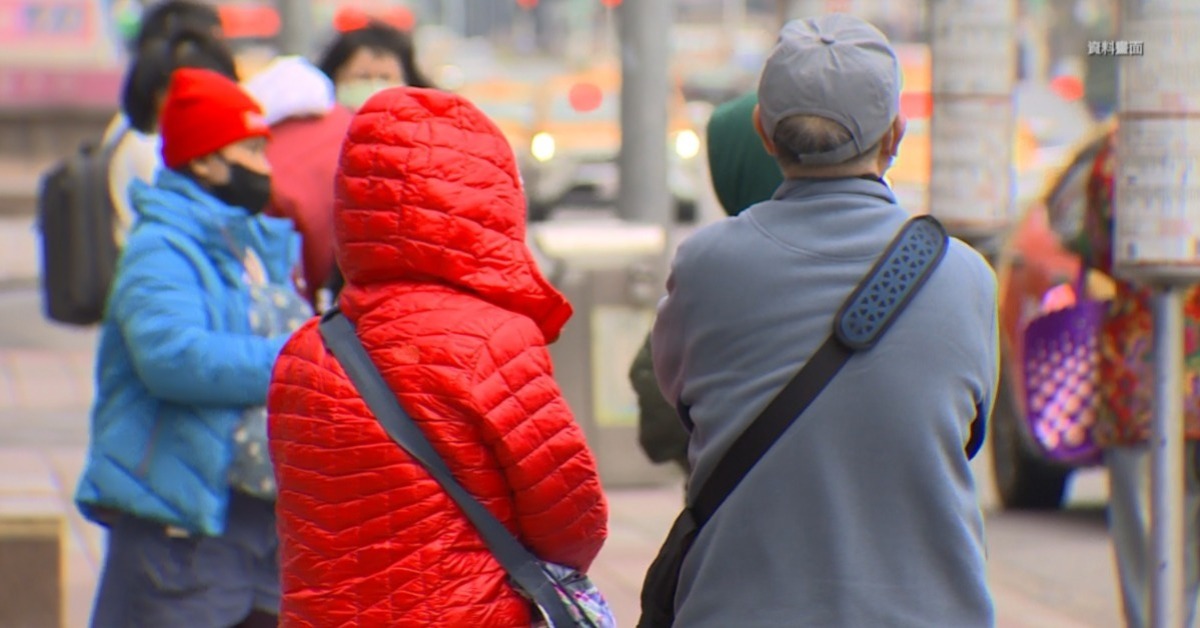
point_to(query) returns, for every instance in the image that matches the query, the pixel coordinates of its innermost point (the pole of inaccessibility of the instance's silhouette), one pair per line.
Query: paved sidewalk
(639, 520)
(20, 249)
(46, 478)
(19, 180)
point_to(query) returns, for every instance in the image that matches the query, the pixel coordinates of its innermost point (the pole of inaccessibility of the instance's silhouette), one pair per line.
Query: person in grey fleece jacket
(865, 512)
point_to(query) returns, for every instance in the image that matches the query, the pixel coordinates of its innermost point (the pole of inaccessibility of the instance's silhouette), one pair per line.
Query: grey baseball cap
(836, 66)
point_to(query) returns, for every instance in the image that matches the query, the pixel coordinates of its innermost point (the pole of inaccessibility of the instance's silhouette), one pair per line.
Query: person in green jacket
(743, 174)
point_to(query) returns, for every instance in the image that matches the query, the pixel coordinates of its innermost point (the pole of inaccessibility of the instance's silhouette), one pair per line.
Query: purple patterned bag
(1061, 369)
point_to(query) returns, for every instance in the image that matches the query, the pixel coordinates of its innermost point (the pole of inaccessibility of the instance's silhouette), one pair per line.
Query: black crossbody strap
(871, 308)
(524, 568)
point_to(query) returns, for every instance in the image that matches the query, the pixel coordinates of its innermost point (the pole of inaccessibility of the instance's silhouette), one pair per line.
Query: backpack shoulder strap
(108, 146)
(864, 317)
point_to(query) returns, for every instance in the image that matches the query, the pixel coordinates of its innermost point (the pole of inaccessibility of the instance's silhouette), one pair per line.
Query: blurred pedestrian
(864, 512)
(1126, 405)
(453, 311)
(135, 149)
(177, 467)
(367, 60)
(165, 18)
(742, 174)
(307, 130)
(362, 62)
(137, 154)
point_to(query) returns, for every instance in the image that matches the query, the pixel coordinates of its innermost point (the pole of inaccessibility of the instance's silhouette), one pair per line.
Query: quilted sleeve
(159, 305)
(560, 509)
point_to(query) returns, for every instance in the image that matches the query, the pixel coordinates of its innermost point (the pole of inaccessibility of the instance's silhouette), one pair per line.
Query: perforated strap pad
(891, 284)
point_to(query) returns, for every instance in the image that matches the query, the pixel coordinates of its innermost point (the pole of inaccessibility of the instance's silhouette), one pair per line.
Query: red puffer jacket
(452, 308)
(303, 153)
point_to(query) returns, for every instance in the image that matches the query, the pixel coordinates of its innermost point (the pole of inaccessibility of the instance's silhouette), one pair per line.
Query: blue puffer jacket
(177, 360)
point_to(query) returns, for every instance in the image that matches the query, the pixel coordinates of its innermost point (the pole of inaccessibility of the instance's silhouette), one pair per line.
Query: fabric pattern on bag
(581, 597)
(274, 310)
(1062, 376)
(1126, 383)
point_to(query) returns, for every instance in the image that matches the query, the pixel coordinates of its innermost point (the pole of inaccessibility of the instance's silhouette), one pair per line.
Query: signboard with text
(1157, 184)
(58, 53)
(57, 33)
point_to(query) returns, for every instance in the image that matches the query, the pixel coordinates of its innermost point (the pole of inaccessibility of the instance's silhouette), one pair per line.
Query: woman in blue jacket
(201, 305)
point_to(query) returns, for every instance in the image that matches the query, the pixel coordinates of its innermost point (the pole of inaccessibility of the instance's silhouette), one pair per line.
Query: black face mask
(246, 188)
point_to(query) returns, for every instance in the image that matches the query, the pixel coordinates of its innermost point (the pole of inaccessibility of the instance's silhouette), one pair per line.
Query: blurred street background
(549, 73)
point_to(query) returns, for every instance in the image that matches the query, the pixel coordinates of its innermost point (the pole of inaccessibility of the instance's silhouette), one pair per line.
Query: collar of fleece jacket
(428, 192)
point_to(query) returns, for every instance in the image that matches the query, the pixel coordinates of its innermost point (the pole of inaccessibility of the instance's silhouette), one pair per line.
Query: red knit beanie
(203, 113)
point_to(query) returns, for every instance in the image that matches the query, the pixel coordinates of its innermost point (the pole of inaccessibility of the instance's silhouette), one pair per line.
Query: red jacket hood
(428, 192)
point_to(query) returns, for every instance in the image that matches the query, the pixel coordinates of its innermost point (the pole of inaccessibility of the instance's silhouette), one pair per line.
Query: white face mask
(353, 94)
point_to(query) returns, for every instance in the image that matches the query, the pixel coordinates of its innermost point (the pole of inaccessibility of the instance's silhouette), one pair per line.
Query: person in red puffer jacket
(447, 299)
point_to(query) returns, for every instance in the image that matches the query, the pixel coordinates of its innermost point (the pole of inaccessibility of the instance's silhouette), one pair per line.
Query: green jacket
(743, 174)
(660, 432)
(742, 171)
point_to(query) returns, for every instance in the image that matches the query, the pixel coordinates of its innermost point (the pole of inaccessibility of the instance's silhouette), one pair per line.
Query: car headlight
(542, 146)
(687, 144)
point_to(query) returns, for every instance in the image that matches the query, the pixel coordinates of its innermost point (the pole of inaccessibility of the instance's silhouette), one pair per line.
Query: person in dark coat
(742, 174)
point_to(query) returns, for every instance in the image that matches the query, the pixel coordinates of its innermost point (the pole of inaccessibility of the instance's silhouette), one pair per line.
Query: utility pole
(974, 53)
(581, 31)
(1157, 197)
(783, 10)
(788, 10)
(733, 15)
(645, 32)
(454, 16)
(803, 9)
(733, 12)
(296, 26)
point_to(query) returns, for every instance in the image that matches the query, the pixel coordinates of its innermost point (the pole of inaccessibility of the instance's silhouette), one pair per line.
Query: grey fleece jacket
(865, 512)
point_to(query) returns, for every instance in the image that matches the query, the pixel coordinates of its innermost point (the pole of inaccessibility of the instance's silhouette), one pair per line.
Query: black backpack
(76, 217)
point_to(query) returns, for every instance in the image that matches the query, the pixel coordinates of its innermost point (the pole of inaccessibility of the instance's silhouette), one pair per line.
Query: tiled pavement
(46, 476)
(19, 177)
(18, 249)
(638, 521)
(44, 479)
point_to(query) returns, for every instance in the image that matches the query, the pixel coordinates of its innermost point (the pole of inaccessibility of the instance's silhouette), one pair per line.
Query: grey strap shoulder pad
(893, 281)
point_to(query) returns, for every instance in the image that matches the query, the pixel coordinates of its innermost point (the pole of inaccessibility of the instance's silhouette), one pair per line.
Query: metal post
(783, 11)
(1167, 525)
(799, 9)
(733, 16)
(581, 30)
(1157, 200)
(804, 9)
(974, 52)
(454, 16)
(645, 53)
(733, 13)
(296, 26)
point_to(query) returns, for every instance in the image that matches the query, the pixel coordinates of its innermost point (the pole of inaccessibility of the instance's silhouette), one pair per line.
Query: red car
(1033, 259)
